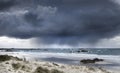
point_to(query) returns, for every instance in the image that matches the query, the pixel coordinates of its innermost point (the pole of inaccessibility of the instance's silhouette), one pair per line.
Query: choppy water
(98, 51)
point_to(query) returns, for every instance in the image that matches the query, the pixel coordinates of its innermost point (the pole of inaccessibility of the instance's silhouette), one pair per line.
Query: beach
(31, 66)
(61, 61)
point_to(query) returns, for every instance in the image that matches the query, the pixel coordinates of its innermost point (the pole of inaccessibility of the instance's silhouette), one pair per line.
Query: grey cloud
(63, 21)
(6, 4)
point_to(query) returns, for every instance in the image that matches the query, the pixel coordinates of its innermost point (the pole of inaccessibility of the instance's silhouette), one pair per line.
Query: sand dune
(15, 66)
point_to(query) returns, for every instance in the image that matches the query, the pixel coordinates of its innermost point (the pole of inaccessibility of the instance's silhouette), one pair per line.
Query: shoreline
(24, 66)
(67, 60)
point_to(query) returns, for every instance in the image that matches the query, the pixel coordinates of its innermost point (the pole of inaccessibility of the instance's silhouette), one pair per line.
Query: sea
(71, 56)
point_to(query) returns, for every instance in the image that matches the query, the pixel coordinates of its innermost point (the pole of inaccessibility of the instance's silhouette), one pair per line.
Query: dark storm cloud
(61, 21)
(6, 4)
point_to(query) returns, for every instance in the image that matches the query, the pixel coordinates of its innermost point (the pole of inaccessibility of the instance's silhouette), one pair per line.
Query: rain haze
(60, 23)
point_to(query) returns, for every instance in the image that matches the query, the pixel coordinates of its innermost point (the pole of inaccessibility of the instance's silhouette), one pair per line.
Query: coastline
(30, 67)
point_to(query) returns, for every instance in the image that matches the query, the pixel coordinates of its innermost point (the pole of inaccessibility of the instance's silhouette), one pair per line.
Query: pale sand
(30, 66)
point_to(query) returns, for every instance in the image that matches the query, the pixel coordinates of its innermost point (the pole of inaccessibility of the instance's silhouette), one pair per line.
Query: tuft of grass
(55, 64)
(7, 58)
(25, 68)
(41, 70)
(92, 69)
(56, 71)
(16, 65)
(7, 63)
(44, 70)
(4, 58)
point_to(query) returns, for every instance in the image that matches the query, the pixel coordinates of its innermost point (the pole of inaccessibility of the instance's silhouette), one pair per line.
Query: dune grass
(7, 58)
(4, 58)
(44, 70)
(56, 71)
(16, 65)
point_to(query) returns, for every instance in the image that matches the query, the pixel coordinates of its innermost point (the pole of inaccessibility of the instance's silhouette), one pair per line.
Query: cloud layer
(60, 21)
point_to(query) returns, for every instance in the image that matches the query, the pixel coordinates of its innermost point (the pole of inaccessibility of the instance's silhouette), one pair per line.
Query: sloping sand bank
(16, 66)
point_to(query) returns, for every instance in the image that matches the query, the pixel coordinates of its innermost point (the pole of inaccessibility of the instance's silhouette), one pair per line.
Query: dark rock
(87, 61)
(79, 51)
(84, 50)
(97, 60)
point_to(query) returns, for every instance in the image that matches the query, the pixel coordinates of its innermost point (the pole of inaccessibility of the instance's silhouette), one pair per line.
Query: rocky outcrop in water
(87, 61)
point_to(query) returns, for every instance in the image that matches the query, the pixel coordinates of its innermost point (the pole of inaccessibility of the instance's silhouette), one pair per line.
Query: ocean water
(98, 51)
(71, 56)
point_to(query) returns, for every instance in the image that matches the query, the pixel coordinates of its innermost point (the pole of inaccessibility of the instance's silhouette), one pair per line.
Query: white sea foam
(72, 56)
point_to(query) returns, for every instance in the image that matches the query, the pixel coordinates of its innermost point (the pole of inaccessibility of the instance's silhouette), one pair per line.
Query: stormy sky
(75, 23)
